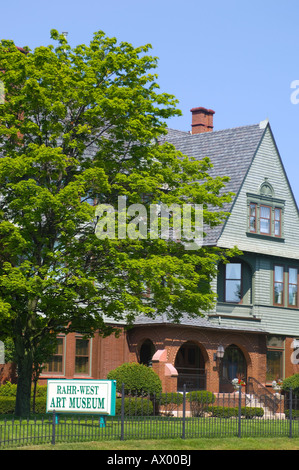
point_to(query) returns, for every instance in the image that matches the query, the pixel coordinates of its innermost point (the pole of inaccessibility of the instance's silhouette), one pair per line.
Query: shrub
(41, 391)
(227, 412)
(8, 393)
(137, 378)
(222, 411)
(135, 407)
(201, 395)
(170, 398)
(7, 405)
(169, 401)
(291, 382)
(251, 412)
(8, 390)
(199, 401)
(40, 405)
(295, 414)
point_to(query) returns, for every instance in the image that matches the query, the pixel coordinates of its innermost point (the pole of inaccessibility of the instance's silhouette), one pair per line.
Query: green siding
(257, 310)
(266, 164)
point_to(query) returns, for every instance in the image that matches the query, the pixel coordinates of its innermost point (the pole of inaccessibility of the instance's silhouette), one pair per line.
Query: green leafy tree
(78, 124)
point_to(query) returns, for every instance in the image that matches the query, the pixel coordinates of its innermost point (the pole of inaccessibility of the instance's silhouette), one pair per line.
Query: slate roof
(231, 152)
(199, 322)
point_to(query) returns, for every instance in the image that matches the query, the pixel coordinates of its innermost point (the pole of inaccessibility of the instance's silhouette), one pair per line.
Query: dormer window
(265, 213)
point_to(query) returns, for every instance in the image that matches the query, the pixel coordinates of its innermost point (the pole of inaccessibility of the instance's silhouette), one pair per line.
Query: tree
(80, 124)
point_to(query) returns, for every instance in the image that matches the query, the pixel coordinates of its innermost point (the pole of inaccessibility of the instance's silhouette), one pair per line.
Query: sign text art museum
(81, 396)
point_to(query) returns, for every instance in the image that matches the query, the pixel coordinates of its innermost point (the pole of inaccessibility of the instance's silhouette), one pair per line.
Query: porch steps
(253, 400)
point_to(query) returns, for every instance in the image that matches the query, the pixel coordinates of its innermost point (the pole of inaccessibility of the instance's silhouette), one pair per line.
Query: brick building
(254, 328)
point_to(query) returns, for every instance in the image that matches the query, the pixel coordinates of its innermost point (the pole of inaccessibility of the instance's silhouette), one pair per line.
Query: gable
(230, 151)
(266, 179)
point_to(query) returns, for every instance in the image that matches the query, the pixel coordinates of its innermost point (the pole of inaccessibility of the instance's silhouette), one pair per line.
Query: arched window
(234, 363)
(147, 350)
(190, 365)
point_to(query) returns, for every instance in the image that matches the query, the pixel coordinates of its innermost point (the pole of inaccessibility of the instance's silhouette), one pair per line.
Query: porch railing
(263, 394)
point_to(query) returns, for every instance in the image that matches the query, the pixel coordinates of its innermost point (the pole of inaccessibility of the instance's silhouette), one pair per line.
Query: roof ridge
(216, 131)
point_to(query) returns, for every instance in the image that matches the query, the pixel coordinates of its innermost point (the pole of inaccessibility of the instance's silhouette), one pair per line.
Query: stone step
(268, 414)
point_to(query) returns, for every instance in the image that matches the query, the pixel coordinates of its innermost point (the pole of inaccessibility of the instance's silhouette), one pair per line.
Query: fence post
(239, 411)
(291, 412)
(184, 412)
(53, 427)
(122, 414)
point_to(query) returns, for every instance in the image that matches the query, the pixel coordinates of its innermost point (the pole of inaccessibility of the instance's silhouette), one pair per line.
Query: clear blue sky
(238, 58)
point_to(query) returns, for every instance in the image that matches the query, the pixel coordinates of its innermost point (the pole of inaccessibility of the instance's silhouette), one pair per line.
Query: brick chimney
(202, 120)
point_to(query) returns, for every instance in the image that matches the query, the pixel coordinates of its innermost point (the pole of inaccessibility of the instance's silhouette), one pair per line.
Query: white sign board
(81, 396)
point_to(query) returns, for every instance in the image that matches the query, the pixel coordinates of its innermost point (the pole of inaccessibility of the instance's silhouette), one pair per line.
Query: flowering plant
(277, 384)
(238, 383)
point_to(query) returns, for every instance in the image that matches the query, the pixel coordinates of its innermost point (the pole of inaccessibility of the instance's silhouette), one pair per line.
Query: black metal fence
(179, 415)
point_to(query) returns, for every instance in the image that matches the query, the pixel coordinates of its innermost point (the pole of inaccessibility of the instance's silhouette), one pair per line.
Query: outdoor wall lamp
(219, 354)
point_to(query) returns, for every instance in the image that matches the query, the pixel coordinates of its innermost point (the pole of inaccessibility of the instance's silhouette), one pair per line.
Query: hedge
(227, 412)
(295, 414)
(170, 399)
(199, 401)
(135, 407)
(8, 393)
(7, 405)
(201, 396)
(10, 390)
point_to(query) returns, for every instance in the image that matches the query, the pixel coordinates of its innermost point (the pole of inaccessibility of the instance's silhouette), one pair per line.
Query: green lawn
(149, 433)
(280, 443)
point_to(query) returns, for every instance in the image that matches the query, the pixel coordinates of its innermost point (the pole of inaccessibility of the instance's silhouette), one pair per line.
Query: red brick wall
(108, 353)
(172, 337)
(291, 357)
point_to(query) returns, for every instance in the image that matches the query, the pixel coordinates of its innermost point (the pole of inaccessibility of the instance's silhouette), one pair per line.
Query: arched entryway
(147, 350)
(190, 366)
(233, 365)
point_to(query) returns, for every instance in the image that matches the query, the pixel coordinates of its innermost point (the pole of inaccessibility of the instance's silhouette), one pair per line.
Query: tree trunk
(24, 347)
(22, 408)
